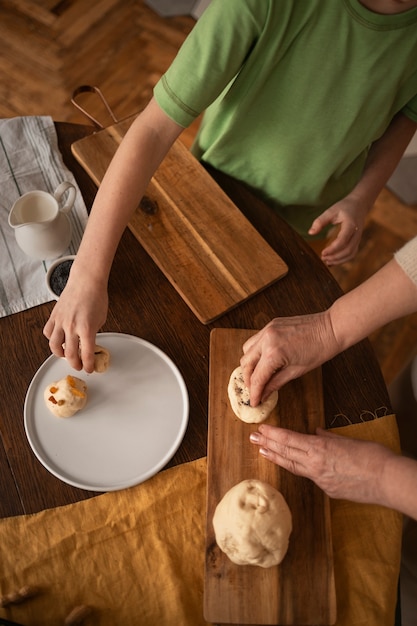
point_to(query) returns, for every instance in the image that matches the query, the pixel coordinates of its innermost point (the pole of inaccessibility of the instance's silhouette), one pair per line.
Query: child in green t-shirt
(299, 103)
(311, 104)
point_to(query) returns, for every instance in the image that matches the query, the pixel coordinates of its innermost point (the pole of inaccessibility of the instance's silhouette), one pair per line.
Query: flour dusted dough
(66, 396)
(252, 524)
(240, 402)
(101, 359)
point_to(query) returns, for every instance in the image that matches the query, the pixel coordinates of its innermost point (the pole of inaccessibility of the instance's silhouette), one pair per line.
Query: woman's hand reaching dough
(285, 349)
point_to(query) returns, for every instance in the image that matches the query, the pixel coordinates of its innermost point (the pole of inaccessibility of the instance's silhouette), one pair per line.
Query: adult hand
(284, 349)
(344, 468)
(77, 316)
(348, 216)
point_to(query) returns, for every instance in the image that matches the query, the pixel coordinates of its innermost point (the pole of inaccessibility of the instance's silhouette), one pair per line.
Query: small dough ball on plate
(252, 524)
(240, 402)
(101, 359)
(66, 396)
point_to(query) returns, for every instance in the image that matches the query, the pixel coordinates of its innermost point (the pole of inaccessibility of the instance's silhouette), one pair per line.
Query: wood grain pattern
(52, 46)
(389, 225)
(191, 229)
(124, 47)
(95, 151)
(301, 589)
(144, 303)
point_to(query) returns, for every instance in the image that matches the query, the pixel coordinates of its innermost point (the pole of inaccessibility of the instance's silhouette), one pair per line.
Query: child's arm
(350, 212)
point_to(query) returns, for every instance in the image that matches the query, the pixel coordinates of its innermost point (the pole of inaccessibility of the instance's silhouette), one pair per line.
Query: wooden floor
(50, 47)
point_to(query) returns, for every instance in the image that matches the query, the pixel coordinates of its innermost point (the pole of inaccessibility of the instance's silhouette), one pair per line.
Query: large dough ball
(252, 524)
(240, 402)
(66, 396)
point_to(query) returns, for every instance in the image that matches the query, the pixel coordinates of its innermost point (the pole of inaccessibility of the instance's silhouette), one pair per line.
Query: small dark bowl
(57, 275)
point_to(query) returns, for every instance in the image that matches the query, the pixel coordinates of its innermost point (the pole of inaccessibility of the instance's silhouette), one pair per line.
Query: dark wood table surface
(143, 303)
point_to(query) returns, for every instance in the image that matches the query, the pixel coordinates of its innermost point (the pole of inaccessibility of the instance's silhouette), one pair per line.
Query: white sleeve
(406, 257)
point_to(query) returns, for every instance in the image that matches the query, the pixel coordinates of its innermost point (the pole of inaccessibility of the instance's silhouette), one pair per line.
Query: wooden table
(354, 388)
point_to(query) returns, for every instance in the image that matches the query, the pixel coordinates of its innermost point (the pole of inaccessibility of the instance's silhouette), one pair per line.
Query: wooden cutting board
(194, 233)
(301, 589)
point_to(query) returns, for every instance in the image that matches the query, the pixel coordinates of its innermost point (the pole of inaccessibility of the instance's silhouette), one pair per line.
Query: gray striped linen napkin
(29, 159)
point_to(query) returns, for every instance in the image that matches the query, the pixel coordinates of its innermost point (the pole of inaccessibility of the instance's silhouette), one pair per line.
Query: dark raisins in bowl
(59, 276)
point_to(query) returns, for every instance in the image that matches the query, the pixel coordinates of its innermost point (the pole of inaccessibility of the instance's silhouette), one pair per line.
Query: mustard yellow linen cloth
(136, 556)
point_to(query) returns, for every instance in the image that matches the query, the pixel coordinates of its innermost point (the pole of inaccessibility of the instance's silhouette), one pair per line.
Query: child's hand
(348, 216)
(76, 318)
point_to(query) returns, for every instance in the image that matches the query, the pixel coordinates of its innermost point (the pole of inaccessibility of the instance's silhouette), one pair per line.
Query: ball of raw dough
(252, 524)
(101, 359)
(240, 402)
(66, 396)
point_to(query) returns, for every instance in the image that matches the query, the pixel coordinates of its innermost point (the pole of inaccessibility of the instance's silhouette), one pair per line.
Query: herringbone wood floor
(50, 47)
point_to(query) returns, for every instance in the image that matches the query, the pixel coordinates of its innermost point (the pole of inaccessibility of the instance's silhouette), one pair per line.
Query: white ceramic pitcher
(40, 222)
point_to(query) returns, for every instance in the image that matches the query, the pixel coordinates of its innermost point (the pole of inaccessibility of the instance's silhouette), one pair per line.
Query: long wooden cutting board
(301, 589)
(200, 240)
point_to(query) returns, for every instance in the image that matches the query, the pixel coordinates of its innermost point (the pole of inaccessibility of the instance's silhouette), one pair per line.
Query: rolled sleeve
(406, 258)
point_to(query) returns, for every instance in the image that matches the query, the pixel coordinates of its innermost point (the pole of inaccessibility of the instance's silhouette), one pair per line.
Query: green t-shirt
(294, 94)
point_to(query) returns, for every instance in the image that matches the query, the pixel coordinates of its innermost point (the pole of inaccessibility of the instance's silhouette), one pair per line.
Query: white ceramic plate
(134, 421)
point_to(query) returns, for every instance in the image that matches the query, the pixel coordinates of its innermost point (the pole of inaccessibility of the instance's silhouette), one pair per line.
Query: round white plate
(134, 421)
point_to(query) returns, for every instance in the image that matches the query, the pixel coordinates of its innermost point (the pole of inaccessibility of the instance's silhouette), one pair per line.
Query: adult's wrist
(392, 483)
(342, 326)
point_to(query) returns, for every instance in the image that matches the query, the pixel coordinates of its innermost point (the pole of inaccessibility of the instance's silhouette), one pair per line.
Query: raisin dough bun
(252, 524)
(240, 402)
(101, 359)
(66, 396)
